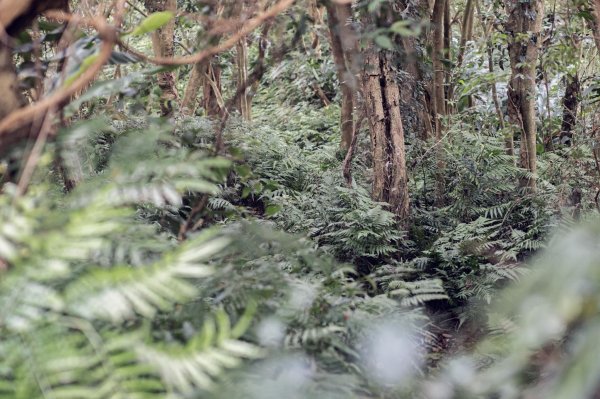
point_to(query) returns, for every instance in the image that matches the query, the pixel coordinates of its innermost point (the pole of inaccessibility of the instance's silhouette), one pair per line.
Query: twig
(187, 225)
(107, 32)
(226, 45)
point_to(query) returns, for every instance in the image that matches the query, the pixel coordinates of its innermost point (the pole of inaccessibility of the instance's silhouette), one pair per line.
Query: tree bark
(163, 46)
(212, 100)
(523, 28)
(439, 102)
(595, 24)
(188, 104)
(241, 60)
(466, 31)
(571, 101)
(382, 100)
(344, 75)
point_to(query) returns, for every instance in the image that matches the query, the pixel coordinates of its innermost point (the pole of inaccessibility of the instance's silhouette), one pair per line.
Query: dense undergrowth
(171, 272)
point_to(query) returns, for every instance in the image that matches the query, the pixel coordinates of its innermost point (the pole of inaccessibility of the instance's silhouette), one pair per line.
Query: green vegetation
(201, 227)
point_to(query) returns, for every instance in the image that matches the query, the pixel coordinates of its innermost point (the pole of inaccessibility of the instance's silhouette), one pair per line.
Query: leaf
(272, 210)
(403, 28)
(85, 65)
(153, 22)
(384, 42)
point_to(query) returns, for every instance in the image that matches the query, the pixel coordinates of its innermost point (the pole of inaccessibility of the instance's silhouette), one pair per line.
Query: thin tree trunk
(382, 97)
(438, 67)
(163, 46)
(212, 100)
(466, 35)
(439, 93)
(188, 104)
(241, 59)
(509, 142)
(466, 31)
(335, 23)
(595, 24)
(523, 27)
(315, 11)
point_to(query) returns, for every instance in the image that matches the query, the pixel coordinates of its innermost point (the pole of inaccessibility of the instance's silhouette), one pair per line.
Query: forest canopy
(299, 199)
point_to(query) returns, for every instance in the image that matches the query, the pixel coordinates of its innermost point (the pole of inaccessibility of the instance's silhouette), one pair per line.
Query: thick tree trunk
(382, 100)
(414, 87)
(523, 28)
(344, 75)
(571, 101)
(163, 46)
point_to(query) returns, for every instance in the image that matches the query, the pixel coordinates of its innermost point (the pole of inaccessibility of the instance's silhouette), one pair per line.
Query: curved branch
(250, 26)
(109, 34)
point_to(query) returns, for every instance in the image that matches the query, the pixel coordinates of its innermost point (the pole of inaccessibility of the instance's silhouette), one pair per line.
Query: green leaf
(153, 22)
(85, 65)
(403, 28)
(272, 210)
(384, 42)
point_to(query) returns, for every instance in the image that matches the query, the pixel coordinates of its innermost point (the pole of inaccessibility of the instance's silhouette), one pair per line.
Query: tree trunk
(163, 46)
(188, 104)
(439, 102)
(212, 100)
(595, 24)
(466, 31)
(343, 73)
(382, 101)
(241, 61)
(466, 35)
(523, 28)
(570, 107)
(315, 11)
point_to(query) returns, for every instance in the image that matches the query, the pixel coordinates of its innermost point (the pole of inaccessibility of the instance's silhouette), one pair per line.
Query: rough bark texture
(382, 98)
(523, 27)
(439, 102)
(414, 91)
(244, 104)
(163, 46)
(334, 22)
(571, 101)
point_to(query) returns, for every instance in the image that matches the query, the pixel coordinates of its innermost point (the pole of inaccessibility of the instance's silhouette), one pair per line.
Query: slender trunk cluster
(523, 28)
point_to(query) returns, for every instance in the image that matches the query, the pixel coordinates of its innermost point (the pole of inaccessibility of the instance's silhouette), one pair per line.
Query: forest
(294, 199)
